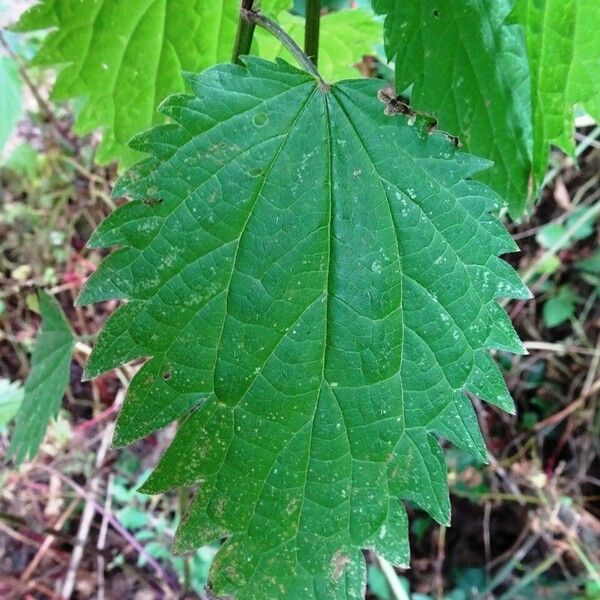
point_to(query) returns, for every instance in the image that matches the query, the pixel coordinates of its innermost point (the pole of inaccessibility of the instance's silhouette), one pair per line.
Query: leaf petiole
(274, 28)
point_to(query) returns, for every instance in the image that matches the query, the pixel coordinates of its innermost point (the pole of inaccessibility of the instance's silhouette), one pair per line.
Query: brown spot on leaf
(455, 140)
(152, 201)
(431, 125)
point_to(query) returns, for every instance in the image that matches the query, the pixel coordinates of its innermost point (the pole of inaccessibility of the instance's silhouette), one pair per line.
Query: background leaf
(10, 98)
(469, 69)
(11, 396)
(299, 6)
(314, 292)
(564, 57)
(111, 57)
(124, 58)
(46, 383)
(560, 307)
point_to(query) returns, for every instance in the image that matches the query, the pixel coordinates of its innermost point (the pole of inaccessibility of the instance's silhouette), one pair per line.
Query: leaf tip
(190, 78)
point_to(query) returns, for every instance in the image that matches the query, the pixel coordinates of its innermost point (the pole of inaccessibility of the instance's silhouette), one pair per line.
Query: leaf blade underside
(313, 286)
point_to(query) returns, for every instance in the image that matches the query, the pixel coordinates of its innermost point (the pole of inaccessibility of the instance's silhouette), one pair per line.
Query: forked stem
(306, 63)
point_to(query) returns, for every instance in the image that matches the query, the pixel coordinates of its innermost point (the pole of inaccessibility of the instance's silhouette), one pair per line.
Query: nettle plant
(309, 269)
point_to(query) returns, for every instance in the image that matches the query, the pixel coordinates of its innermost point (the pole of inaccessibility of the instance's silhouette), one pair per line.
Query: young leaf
(345, 36)
(46, 383)
(564, 57)
(469, 69)
(313, 284)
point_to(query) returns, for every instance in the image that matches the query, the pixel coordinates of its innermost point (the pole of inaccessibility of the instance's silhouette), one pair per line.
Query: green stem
(288, 42)
(244, 34)
(311, 31)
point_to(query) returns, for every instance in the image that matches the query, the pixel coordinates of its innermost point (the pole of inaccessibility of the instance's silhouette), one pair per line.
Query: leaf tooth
(509, 285)
(176, 106)
(156, 397)
(503, 241)
(191, 79)
(113, 230)
(216, 76)
(502, 334)
(487, 383)
(489, 235)
(199, 528)
(477, 198)
(110, 281)
(115, 346)
(285, 72)
(418, 473)
(449, 165)
(458, 424)
(197, 451)
(162, 141)
(391, 539)
(134, 182)
(473, 165)
(40, 16)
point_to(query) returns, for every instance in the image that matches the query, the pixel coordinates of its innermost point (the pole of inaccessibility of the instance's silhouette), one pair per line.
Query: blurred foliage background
(527, 525)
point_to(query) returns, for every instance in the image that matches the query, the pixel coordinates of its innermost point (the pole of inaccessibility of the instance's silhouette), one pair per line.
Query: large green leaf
(10, 98)
(469, 69)
(345, 37)
(46, 383)
(564, 56)
(124, 58)
(313, 285)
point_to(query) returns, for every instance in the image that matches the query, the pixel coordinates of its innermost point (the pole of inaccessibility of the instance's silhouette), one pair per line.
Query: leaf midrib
(241, 235)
